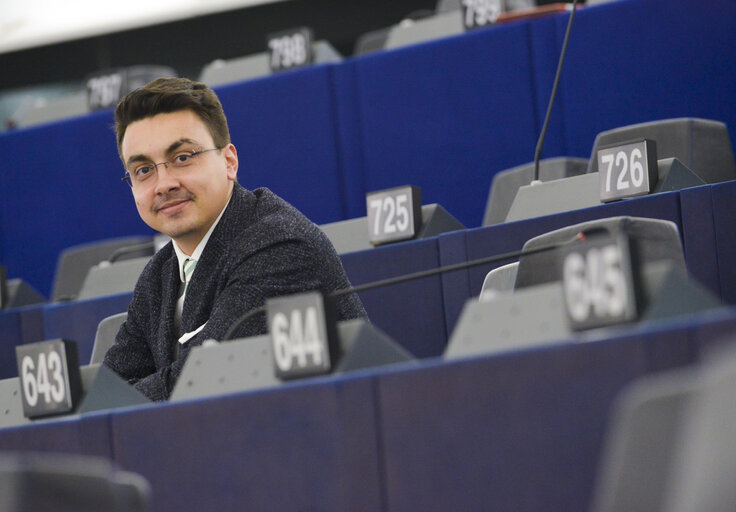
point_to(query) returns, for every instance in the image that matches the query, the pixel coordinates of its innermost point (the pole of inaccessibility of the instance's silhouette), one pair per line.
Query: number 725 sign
(394, 214)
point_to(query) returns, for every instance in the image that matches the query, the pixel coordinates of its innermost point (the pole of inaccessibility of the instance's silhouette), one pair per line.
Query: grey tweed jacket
(262, 247)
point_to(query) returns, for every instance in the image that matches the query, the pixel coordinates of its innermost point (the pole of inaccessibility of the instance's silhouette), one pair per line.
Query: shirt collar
(181, 257)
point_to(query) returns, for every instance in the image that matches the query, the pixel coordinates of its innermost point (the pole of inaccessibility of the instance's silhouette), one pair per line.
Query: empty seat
(66, 483)
(702, 145)
(75, 262)
(499, 280)
(112, 278)
(656, 240)
(107, 329)
(507, 183)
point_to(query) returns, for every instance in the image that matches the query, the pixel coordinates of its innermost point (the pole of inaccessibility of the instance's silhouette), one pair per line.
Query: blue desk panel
(412, 313)
(700, 244)
(77, 321)
(724, 221)
(89, 435)
(447, 115)
(308, 447)
(635, 61)
(520, 431)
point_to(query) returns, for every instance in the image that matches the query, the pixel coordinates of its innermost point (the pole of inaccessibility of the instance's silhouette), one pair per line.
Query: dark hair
(166, 95)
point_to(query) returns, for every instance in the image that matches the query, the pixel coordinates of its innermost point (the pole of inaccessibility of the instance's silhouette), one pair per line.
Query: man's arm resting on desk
(254, 279)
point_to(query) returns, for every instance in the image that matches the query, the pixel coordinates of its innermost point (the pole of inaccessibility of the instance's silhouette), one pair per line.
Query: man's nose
(166, 180)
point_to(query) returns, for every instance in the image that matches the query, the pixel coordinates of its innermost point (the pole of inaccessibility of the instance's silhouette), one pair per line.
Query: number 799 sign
(394, 214)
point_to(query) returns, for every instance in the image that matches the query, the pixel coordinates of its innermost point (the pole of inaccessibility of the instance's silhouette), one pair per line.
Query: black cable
(410, 277)
(540, 142)
(247, 315)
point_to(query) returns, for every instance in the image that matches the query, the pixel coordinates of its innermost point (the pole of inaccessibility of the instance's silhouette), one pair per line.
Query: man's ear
(231, 159)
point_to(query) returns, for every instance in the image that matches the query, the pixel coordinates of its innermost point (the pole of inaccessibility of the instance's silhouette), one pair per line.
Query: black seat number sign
(394, 214)
(598, 283)
(480, 13)
(290, 49)
(302, 331)
(49, 377)
(104, 90)
(627, 170)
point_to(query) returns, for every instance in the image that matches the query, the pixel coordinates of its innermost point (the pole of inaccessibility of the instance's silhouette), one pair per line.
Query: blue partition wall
(60, 186)
(448, 115)
(284, 128)
(641, 60)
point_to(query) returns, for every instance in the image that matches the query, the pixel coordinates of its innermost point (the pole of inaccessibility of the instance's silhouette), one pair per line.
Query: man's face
(180, 202)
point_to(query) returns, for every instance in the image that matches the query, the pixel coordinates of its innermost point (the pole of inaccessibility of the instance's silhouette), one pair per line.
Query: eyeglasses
(142, 174)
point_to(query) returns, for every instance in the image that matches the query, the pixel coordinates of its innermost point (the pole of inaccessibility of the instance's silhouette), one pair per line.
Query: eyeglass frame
(166, 163)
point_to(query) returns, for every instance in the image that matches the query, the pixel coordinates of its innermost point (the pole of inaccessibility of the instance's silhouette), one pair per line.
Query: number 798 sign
(394, 214)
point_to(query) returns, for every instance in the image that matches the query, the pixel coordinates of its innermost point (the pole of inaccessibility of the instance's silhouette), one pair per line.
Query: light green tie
(189, 265)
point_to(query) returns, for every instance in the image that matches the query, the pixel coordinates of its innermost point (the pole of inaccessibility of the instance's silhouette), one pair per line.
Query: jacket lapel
(169, 294)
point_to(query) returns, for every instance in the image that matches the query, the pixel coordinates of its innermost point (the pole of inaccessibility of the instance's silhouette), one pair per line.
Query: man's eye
(182, 158)
(142, 172)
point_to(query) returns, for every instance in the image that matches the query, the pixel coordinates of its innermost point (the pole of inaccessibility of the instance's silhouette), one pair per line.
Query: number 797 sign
(394, 214)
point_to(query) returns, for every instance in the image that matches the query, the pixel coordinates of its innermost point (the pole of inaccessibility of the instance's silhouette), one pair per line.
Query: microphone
(540, 142)
(410, 277)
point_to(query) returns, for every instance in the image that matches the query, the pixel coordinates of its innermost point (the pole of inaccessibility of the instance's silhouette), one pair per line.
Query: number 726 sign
(394, 214)
(627, 170)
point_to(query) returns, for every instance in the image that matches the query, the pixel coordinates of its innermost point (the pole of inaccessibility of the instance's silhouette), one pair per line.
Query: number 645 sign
(394, 214)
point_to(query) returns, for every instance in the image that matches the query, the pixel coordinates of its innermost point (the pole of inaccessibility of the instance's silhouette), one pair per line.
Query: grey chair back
(69, 483)
(656, 240)
(107, 329)
(74, 262)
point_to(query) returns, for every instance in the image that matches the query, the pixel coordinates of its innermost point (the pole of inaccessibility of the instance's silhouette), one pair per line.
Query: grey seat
(643, 434)
(702, 145)
(705, 464)
(507, 183)
(112, 278)
(499, 280)
(220, 72)
(107, 329)
(671, 444)
(74, 262)
(656, 240)
(69, 483)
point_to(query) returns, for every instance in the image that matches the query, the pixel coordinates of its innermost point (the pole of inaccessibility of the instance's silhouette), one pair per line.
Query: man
(231, 248)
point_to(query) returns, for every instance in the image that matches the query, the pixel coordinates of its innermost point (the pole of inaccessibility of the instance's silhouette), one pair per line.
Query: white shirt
(196, 255)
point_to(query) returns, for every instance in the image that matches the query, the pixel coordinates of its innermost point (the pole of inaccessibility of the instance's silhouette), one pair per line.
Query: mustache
(162, 201)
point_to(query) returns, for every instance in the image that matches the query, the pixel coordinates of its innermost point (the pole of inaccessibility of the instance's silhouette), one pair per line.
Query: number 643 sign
(49, 377)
